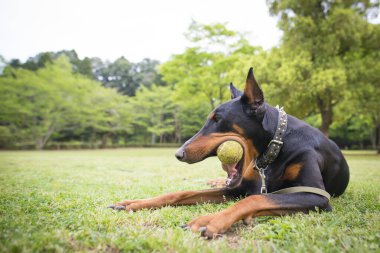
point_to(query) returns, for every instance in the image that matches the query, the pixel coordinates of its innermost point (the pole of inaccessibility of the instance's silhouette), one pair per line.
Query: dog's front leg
(254, 206)
(175, 198)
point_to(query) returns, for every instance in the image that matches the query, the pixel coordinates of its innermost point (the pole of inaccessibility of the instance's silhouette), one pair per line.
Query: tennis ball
(230, 152)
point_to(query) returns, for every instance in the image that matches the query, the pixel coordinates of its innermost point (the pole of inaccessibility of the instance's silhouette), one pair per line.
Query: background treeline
(325, 71)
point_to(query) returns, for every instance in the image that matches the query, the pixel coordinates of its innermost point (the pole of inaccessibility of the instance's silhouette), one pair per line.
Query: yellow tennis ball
(230, 152)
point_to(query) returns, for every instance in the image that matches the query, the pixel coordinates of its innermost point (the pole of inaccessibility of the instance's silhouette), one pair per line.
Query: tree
(125, 76)
(309, 67)
(145, 73)
(3, 63)
(41, 60)
(38, 104)
(118, 75)
(203, 69)
(154, 112)
(364, 81)
(200, 76)
(106, 115)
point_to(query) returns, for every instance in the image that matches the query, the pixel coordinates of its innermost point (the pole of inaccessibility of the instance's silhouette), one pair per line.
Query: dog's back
(333, 165)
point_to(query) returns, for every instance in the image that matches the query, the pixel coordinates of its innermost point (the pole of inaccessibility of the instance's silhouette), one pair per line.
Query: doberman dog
(307, 158)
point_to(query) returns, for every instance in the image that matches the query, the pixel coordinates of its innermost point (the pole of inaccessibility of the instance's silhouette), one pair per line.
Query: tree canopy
(324, 71)
(320, 41)
(36, 105)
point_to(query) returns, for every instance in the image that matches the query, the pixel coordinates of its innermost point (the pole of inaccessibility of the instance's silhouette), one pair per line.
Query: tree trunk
(212, 103)
(153, 141)
(326, 110)
(41, 142)
(377, 138)
(177, 133)
(178, 136)
(105, 140)
(373, 139)
(326, 122)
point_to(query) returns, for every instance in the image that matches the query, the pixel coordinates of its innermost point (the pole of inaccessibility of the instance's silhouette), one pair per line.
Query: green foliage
(203, 73)
(319, 37)
(145, 73)
(118, 75)
(153, 111)
(5, 136)
(126, 77)
(41, 60)
(37, 104)
(210, 34)
(325, 71)
(200, 73)
(56, 202)
(190, 115)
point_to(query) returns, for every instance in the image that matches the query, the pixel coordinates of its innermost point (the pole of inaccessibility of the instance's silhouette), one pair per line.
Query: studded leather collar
(274, 147)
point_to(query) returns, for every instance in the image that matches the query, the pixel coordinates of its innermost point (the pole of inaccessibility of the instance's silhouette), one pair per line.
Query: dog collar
(274, 147)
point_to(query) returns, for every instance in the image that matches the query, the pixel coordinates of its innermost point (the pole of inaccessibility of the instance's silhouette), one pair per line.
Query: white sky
(113, 28)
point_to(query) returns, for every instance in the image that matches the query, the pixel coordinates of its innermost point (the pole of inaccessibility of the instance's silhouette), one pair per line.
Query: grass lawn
(56, 201)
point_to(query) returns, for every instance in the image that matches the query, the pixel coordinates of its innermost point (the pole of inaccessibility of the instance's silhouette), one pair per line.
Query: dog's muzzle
(180, 154)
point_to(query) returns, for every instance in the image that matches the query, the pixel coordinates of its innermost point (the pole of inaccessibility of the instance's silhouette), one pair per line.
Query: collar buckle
(280, 143)
(263, 189)
(274, 148)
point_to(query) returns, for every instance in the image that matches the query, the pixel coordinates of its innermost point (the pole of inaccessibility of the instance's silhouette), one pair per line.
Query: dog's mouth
(234, 172)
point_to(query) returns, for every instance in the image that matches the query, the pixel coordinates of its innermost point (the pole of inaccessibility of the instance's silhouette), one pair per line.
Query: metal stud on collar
(274, 147)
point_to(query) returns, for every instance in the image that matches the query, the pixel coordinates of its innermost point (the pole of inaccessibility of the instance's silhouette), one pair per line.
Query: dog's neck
(270, 119)
(269, 124)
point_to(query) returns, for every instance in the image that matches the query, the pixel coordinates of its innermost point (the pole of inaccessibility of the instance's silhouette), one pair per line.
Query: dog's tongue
(231, 171)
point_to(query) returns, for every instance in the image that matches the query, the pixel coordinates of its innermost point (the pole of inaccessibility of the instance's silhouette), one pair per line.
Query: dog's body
(307, 158)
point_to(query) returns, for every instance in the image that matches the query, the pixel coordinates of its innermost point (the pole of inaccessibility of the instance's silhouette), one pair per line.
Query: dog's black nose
(180, 154)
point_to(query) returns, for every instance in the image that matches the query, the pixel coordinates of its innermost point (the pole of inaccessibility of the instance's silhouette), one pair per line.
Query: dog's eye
(216, 118)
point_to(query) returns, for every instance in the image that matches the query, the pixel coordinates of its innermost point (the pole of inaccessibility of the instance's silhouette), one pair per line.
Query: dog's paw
(117, 207)
(133, 205)
(210, 226)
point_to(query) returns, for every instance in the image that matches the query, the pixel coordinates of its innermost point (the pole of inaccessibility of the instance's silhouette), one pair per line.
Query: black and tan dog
(307, 158)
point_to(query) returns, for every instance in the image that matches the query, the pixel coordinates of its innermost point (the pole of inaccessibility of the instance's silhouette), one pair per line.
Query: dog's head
(239, 119)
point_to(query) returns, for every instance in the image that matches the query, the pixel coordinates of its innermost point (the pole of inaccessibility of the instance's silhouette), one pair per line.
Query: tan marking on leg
(177, 198)
(245, 209)
(292, 171)
(248, 208)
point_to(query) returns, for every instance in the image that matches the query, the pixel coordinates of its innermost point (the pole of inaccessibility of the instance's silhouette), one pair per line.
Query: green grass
(55, 201)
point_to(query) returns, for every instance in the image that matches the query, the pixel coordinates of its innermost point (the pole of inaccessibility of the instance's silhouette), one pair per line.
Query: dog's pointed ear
(234, 91)
(253, 96)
